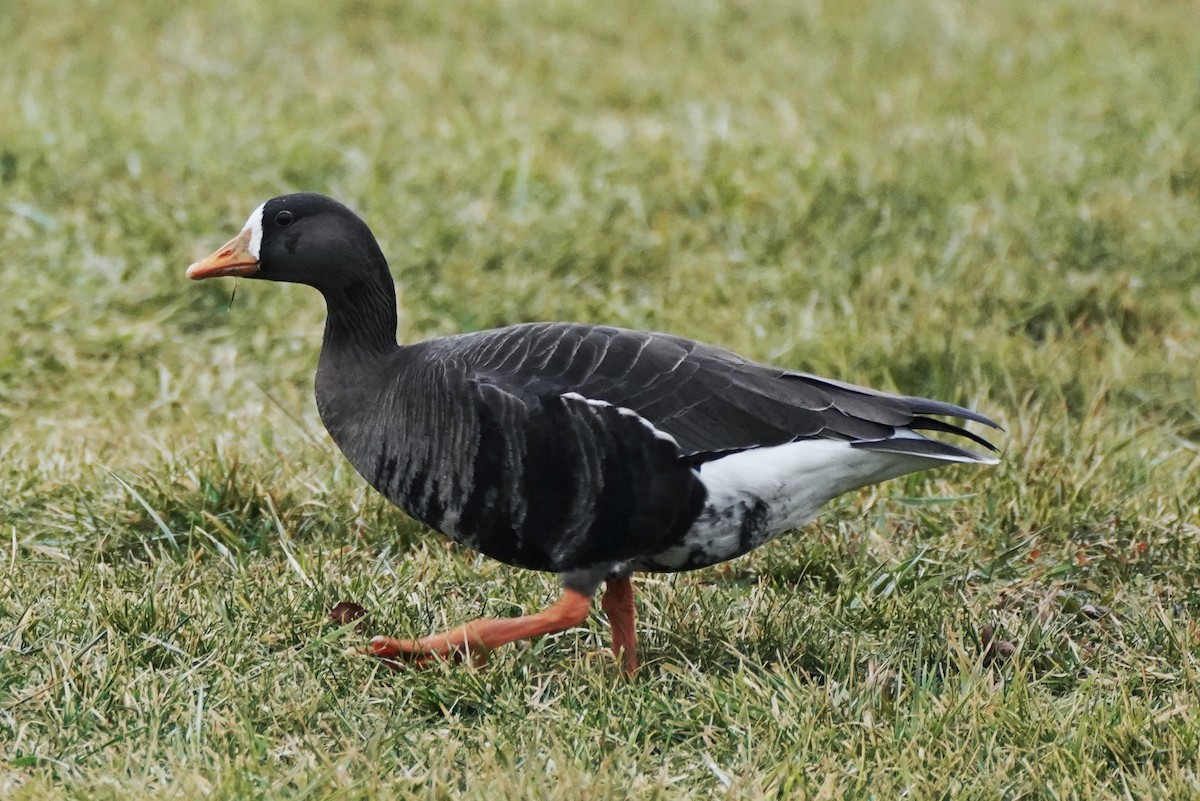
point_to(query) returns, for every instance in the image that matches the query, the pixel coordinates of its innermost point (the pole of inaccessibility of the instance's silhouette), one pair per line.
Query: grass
(991, 204)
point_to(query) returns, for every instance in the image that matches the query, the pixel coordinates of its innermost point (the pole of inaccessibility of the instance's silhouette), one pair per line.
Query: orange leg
(618, 605)
(475, 639)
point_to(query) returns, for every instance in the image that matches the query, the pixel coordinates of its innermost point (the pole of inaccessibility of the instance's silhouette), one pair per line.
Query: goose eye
(284, 218)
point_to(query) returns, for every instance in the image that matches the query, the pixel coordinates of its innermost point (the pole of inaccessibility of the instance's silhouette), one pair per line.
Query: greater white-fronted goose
(588, 451)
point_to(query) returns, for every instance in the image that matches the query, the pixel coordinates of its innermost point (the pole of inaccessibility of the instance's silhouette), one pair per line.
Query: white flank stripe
(657, 432)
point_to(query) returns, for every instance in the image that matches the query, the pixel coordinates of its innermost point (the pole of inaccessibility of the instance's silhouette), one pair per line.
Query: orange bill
(233, 258)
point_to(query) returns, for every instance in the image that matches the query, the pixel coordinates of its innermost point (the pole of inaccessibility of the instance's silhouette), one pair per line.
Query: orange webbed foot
(421, 654)
(473, 641)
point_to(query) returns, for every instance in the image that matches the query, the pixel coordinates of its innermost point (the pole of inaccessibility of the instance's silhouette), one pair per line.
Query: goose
(588, 451)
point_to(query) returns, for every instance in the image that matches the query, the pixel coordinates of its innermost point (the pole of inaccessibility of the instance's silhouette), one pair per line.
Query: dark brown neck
(361, 322)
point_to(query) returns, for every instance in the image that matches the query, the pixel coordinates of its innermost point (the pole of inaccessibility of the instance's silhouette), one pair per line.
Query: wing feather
(710, 400)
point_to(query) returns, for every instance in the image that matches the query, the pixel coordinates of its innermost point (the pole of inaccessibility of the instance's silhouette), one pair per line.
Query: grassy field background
(994, 204)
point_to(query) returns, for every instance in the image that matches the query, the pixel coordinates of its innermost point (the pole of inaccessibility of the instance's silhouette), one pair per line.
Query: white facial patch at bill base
(254, 226)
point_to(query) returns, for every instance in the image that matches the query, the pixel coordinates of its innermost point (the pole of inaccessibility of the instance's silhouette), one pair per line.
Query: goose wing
(711, 401)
